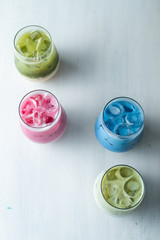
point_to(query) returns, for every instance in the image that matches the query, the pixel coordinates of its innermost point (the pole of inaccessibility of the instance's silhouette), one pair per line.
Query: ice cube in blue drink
(114, 110)
(134, 120)
(119, 119)
(127, 107)
(122, 129)
(110, 124)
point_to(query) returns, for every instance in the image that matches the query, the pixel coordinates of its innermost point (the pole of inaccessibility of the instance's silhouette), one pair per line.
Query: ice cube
(118, 120)
(33, 101)
(35, 35)
(131, 130)
(42, 118)
(38, 99)
(122, 129)
(48, 43)
(126, 172)
(42, 45)
(111, 190)
(30, 45)
(27, 107)
(132, 187)
(110, 124)
(114, 109)
(134, 119)
(45, 119)
(50, 104)
(36, 118)
(111, 175)
(123, 201)
(29, 121)
(127, 107)
(21, 49)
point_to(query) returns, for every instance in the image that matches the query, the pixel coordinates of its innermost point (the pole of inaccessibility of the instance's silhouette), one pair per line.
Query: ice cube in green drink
(35, 35)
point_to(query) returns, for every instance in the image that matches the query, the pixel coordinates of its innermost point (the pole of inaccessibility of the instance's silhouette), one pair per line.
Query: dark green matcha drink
(35, 55)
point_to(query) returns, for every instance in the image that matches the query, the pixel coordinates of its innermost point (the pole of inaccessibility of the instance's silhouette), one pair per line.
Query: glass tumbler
(42, 118)
(119, 190)
(35, 55)
(120, 125)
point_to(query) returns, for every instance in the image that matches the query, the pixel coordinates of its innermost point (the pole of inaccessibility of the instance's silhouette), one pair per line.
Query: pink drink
(42, 118)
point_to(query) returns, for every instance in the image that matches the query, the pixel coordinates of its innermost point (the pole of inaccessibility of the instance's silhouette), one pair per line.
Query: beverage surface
(122, 187)
(39, 110)
(123, 117)
(33, 44)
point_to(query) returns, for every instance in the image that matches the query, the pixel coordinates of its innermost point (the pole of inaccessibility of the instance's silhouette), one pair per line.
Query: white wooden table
(108, 48)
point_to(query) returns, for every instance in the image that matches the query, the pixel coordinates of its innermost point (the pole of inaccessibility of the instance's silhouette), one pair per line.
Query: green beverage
(35, 56)
(119, 190)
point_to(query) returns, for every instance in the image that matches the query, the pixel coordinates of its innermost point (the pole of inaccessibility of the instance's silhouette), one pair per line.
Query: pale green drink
(119, 190)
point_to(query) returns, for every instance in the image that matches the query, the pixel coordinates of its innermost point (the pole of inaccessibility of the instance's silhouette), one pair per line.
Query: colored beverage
(119, 190)
(120, 125)
(42, 118)
(35, 55)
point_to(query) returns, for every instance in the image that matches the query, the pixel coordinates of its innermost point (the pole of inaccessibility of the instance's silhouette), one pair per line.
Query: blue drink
(120, 125)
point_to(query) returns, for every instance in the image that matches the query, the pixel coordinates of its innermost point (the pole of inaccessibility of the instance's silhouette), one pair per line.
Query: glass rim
(123, 136)
(143, 187)
(48, 125)
(34, 26)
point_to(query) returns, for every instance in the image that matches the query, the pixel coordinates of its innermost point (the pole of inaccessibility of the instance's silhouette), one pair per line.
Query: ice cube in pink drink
(38, 98)
(27, 107)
